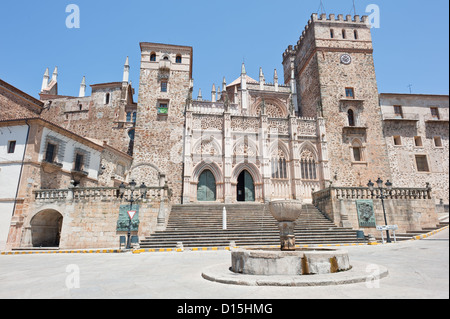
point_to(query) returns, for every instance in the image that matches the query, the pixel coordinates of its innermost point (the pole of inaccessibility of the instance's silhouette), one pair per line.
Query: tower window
(422, 163)
(356, 34)
(332, 33)
(344, 34)
(351, 118)
(349, 93)
(134, 117)
(163, 111)
(107, 98)
(164, 86)
(357, 154)
(11, 147)
(357, 151)
(178, 59)
(397, 140)
(418, 141)
(437, 141)
(128, 116)
(153, 57)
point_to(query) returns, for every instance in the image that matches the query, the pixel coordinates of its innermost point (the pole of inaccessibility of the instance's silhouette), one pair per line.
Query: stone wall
(92, 117)
(411, 209)
(89, 217)
(415, 133)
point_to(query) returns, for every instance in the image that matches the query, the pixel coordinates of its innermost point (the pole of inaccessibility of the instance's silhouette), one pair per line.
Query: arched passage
(245, 187)
(46, 229)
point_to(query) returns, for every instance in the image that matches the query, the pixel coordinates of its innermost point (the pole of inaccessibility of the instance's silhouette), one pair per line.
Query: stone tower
(165, 85)
(332, 73)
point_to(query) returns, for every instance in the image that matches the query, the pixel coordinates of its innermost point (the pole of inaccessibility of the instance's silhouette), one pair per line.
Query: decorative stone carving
(207, 122)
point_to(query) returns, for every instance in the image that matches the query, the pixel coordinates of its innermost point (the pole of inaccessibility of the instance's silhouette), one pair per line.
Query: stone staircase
(200, 225)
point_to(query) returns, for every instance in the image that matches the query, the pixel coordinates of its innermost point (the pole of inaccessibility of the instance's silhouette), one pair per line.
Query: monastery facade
(321, 124)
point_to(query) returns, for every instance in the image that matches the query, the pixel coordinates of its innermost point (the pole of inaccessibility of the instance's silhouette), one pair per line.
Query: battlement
(347, 21)
(340, 18)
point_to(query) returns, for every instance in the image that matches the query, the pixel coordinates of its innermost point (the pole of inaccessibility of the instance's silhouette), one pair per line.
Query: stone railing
(365, 193)
(99, 193)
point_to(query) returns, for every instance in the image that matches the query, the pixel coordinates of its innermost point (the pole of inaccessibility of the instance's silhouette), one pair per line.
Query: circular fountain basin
(266, 262)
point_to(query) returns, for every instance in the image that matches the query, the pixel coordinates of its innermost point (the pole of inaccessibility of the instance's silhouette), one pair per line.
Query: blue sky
(411, 45)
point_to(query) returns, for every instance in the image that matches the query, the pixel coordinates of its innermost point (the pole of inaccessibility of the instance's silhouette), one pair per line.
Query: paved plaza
(417, 269)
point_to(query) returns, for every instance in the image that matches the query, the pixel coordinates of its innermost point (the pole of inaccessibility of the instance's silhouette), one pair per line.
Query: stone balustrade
(365, 193)
(99, 193)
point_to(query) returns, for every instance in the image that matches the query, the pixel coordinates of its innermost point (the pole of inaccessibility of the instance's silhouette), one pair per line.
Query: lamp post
(132, 200)
(382, 196)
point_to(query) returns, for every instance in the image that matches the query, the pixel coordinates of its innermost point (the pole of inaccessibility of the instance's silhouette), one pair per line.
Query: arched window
(357, 151)
(153, 57)
(308, 165)
(166, 58)
(178, 59)
(279, 165)
(351, 118)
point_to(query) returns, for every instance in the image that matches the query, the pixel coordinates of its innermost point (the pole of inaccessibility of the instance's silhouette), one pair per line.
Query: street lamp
(132, 200)
(382, 196)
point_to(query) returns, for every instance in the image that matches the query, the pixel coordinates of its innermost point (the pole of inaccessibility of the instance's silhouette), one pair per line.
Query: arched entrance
(206, 189)
(46, 229)
(245, 187)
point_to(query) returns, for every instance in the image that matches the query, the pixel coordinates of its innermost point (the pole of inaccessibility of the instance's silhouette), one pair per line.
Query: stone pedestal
(287, 236)
(286, 212)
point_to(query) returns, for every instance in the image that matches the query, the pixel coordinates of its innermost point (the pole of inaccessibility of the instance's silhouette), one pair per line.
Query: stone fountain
(289, 265)
(288, 260)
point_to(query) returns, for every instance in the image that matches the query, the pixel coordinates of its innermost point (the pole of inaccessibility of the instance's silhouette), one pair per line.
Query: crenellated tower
(332, 74)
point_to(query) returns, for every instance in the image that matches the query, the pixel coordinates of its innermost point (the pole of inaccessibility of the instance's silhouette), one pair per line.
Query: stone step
(200, 225)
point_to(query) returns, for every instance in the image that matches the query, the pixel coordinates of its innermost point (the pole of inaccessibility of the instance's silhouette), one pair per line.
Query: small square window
(397, 140)
(11, 147)
(422, 163)
(437, 141)
(398, 111)
(349, 93)
(163, 111)
(418, 141)
(434, 113)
